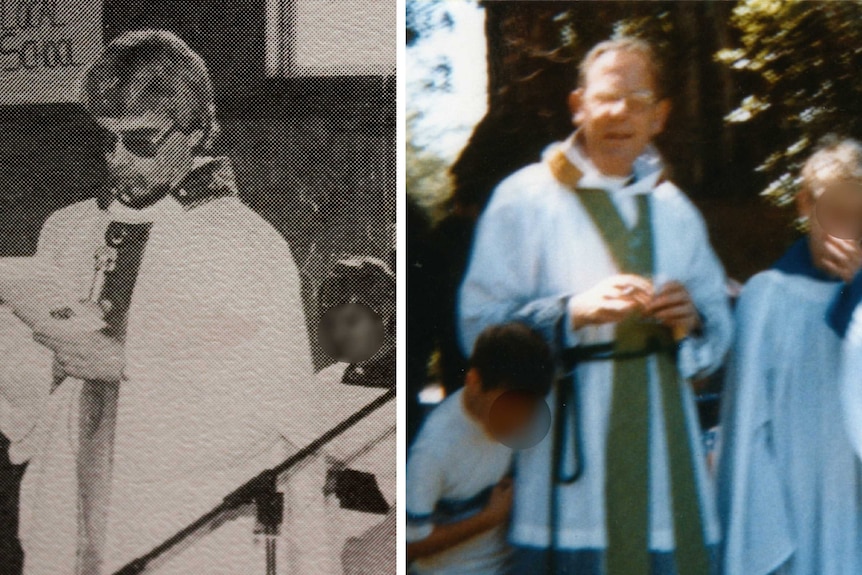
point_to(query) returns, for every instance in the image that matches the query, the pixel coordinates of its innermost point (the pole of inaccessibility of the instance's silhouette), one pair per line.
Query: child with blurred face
(357, 304)
(459, 493)
(354, 332)
(506, 384)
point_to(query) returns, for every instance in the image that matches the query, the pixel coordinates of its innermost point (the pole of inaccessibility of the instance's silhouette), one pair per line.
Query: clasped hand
(88, 356)
(619, 296)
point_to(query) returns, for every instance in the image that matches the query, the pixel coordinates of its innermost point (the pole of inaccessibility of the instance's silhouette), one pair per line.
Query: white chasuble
(535, 247)
(789, 480)
(218, 385)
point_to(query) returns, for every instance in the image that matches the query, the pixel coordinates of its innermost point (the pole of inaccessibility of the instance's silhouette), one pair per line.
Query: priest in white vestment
(789, 479)
(202, 377)
(639, 262)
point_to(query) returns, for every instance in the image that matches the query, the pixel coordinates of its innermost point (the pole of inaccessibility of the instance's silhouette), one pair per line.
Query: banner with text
(45, 48)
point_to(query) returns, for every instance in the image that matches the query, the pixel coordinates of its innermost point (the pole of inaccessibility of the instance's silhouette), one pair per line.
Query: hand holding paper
(88, 355)
(30, 288)
(69, 328)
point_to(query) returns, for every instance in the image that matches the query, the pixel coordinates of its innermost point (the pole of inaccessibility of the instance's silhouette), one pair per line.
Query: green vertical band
(627, 464)
(627, 452)
(691, 553)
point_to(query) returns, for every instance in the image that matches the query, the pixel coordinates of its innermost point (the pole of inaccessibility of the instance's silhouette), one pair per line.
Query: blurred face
(617, 111)
(514, 416)
(517, 419)
(838, 210)
(834, 213)
(147, 153)
(352, 333)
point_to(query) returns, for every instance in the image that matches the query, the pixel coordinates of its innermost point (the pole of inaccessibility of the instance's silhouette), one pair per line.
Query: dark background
(314, 156)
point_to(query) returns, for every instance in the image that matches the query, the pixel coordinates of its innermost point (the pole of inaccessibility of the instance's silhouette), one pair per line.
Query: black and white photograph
(432, 287)
(198, 287)
(633, 283)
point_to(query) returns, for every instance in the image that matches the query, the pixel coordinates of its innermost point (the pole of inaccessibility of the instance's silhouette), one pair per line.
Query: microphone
(105, 260)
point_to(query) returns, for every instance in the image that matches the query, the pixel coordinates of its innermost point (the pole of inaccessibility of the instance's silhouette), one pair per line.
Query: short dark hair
(512, 356)
(359, 279)
(152, 71)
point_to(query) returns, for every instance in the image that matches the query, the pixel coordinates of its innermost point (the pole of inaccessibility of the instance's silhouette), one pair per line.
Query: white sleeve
(501, 283)
(25, 372)
(424, 490)
(851, 380)
(704, 353)
(25, 377)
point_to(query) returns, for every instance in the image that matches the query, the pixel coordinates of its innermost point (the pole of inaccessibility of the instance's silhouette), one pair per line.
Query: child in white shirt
(459, 492)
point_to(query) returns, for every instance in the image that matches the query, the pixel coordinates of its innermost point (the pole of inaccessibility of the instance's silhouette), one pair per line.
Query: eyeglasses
(139, 143)
(637, 101)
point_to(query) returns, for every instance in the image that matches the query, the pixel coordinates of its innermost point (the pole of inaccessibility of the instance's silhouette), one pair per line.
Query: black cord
(256, 488)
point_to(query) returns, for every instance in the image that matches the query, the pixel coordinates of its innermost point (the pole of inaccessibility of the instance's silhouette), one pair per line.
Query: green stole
(627, 452)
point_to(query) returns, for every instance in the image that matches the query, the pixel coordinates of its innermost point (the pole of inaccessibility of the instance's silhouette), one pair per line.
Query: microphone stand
(260, 490)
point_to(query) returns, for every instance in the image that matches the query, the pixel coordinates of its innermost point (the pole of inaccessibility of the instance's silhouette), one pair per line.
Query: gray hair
(625, 44)
(835, 159)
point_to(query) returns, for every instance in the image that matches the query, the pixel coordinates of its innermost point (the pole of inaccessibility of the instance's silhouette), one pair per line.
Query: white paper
(29, 288)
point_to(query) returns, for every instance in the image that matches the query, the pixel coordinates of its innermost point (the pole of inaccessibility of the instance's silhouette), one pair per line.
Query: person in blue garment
(789, 480)
(594, 248)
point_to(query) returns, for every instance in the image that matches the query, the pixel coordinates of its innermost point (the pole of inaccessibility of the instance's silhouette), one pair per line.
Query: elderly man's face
(146, 153)
(617, 111)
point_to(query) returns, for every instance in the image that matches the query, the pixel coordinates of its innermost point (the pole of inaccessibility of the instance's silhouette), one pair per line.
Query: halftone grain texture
(309, 130)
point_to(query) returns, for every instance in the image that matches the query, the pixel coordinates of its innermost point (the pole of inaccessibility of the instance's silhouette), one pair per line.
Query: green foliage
(799, 65)
(422, 17)
(580, 26)
(428, 181)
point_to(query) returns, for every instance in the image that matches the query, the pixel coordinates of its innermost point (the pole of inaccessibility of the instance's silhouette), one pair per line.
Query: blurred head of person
(357, 310)
(152, 98)
(830, 201)
(510, 373)
(619, 105)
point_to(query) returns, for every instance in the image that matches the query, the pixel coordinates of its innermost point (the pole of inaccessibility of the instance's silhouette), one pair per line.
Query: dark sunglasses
(137, 143)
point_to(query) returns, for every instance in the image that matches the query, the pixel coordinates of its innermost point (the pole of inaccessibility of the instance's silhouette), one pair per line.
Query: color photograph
(633, 255)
